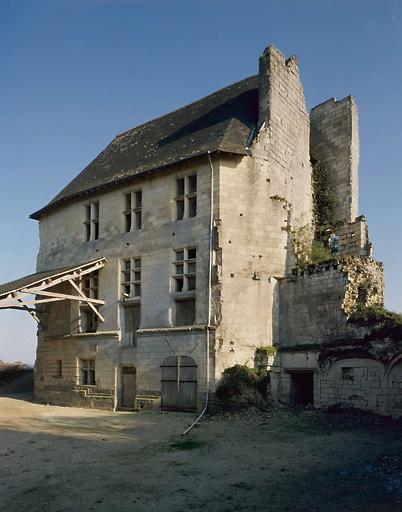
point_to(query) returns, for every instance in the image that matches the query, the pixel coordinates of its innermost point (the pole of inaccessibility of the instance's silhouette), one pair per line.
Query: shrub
(324, 199)
(384, 323)
(242, 381)
(320, 253)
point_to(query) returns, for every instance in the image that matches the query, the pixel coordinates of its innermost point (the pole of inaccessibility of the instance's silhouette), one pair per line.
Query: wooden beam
(34, 291)
(29, 310)
(41, 301)
(76, 274)
(85, 299)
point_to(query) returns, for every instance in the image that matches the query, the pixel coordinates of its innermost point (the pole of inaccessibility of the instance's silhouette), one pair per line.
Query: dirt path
(64, 459)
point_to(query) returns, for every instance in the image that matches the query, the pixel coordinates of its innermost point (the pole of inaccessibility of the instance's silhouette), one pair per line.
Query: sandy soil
(65, 459)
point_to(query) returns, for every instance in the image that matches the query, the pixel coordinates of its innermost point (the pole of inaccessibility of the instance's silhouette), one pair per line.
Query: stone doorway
(302, 387)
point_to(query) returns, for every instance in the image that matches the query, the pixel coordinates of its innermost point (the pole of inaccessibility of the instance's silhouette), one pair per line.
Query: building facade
(200, 221)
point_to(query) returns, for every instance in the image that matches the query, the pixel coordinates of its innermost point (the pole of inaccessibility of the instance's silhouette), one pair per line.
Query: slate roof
(221, 121)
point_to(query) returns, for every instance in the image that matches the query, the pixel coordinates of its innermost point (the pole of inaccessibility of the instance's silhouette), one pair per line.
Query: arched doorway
(179, 384)
(128, 386)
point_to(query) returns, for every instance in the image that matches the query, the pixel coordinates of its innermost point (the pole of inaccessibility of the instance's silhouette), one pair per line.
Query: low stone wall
(365, 383)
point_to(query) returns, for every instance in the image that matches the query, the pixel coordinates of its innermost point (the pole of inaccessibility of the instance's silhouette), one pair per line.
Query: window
(133, 211)
(131, 278)
(185, 312)
(186, 197)
(185, 269)
(348, 374)
(59, 369)
(89, 320)
(92, 221)
(87, 372)
(90, 287)
(132, 320)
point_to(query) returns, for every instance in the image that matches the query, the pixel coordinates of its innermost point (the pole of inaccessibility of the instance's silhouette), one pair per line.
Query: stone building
(181, 250)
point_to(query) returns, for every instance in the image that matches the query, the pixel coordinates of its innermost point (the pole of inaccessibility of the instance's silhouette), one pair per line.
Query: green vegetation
(186, 444)
(324, 200)
(320, 253)
(242, 381)
(383, 323)
(263, 352)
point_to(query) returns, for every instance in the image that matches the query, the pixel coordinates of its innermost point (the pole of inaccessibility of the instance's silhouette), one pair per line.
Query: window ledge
(166, 330)
(189, 294)
(84, 335)
(131, 302)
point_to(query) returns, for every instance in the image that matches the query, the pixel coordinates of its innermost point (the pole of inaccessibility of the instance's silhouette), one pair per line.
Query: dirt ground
(65, 459)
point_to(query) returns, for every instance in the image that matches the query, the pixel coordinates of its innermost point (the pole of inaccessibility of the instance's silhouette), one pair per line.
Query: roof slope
(221, 121)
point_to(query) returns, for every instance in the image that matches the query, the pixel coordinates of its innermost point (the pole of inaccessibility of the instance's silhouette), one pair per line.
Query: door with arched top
(179, 384)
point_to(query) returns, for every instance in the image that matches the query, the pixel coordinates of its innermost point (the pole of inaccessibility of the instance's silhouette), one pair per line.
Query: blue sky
(76, 72)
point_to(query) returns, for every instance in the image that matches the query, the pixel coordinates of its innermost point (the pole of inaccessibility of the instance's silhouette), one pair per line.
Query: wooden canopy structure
(26, 292)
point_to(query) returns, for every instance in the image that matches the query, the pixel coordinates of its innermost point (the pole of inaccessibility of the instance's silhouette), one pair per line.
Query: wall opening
(302, 387)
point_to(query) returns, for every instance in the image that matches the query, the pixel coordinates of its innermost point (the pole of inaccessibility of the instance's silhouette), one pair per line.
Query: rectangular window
(186, 197)
(133, 211)
(185, 312)
(87, 372)
(89, 320)
(132, 321)
(90, 288)
(348, 374)
(90, 285)
(59, 368)
(184, 276)
(131, 278)
(92, 221)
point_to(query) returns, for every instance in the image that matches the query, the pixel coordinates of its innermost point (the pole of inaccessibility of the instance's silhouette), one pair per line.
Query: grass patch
(186, 444)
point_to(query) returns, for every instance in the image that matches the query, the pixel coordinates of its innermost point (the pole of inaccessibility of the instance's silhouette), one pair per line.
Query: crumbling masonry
(184, 297)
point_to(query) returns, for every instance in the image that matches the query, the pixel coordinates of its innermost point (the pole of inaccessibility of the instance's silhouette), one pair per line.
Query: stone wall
(335, 142)
(314, 303)
(354, 238)
(363, 383)
(262, 198)
(63, 243)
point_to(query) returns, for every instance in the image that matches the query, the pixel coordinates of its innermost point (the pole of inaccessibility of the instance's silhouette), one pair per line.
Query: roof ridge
(182, 108)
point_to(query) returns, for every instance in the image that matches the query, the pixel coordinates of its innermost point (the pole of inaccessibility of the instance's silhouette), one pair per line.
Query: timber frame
(34, 289)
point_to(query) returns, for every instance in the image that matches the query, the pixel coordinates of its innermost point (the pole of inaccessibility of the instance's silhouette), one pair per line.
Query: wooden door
(179, 384)
(128, 386)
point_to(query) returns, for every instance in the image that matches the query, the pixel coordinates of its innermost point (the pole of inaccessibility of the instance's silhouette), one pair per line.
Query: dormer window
(92, 221)
(186, 197)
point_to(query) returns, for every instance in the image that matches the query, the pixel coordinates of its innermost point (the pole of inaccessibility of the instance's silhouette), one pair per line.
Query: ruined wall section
(262, 198)
(354, 238)
(281, 149)
(315, 303)
(334, 140)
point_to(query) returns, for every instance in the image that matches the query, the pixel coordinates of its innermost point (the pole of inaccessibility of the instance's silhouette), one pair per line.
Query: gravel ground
(71, 460)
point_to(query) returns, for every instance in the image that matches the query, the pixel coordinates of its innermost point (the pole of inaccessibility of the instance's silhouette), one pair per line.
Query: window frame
(186, 189)
(89, 321)
(87, 375)
(133, 218)
(91, 222)
(186, 279)
(130, 287)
